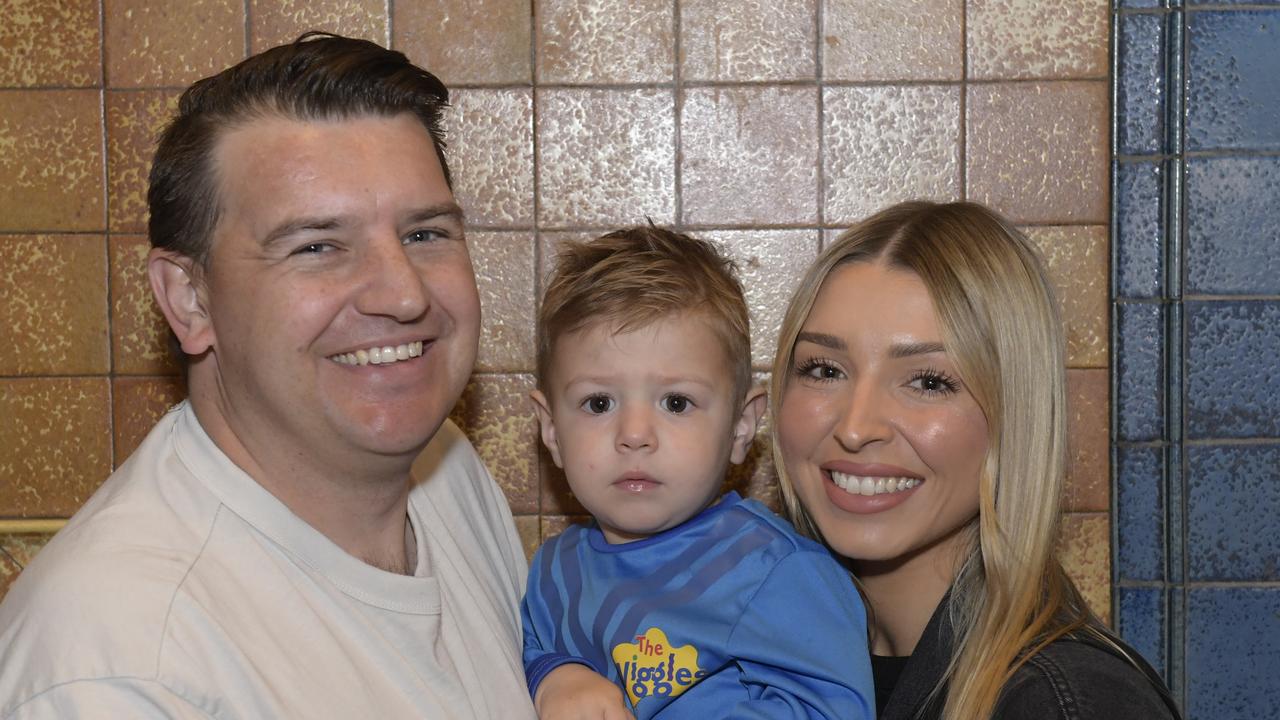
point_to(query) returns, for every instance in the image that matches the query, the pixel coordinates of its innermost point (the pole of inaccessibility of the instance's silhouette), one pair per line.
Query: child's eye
(598, 404)
(933, 382)
(819, 369)
(677, 403)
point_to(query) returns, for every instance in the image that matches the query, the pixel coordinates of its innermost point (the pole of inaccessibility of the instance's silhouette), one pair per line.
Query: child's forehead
(667, 337)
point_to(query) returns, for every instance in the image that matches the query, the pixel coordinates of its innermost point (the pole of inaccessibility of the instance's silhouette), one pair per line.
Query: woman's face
(882, 441)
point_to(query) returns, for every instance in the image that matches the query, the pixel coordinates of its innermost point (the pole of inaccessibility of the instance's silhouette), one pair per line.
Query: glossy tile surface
(50, 44)
(908, 40)
(1233, 229)
(51, 161)
(1140, 513)
(886, 144)
(1233, 97)
(1233, 648)
(139, 333)
(1037, 151)
(150, 44)
(1140, 87)
(495, 413)
(604, 41)
(1088, 479)
(1227, 344)
(490, 152)
(466, 41)
(1139, 368)
(54, 308)
(1086, 555)
(747, 40)
(1233, 530)
(1142, 622)
(135, 119)
(137, 403)
(1139, 225)
(1013, 39)
(1076, 257)
(742, 166)
(275, 22)
(504, 264)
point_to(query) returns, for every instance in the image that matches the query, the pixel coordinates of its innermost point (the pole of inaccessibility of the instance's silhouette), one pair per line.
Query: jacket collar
(924, 670)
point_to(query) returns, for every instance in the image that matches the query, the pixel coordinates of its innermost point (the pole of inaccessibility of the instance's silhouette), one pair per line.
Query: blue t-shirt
(732, 614)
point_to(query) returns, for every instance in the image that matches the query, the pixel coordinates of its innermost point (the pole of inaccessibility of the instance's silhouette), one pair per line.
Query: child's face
(644, 423)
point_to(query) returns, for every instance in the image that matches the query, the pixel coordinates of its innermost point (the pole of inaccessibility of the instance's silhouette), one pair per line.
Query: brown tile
(44, 43)
(495, 413)
(605, 41)
(747, 40)
(885, 144)
(1077, 260)
(491, 155)
(1038, 151)
(466, 41)
(504, 264)
(139, 333)
(905, 40)
(589, 173)
(136, 405)
(741, 165)
(16, 552)
(55, 446)
(276, 22)
(150, 44)
(135, 119)
(1086, 554)
(553, 525)
(54, 309)
(770, 263)
(51, 160)
(1088, 470)
(529, 528)
(1019, 39)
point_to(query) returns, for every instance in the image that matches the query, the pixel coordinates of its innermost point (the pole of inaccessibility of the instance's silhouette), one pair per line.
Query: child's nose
(635, 430)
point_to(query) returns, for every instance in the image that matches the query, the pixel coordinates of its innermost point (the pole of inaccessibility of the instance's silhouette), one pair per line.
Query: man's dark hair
(319, 76)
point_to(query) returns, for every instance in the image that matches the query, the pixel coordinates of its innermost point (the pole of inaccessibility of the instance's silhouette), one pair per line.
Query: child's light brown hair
(636, 276)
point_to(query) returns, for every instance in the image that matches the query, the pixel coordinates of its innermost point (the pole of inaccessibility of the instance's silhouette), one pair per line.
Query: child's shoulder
(755, 513)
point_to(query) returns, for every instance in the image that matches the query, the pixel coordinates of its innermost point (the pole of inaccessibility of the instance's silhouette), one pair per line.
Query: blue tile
(1232, 225)
(1140, 513)
(1233, 512)
(1142, 624)
(1140, 90)
(1233, 650)
(1233, 354)
(1233, 89)
(1139, 361)
(1139, 230)
(1138, 3)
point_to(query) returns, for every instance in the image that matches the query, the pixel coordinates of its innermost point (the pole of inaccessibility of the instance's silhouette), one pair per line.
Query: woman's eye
(598, 404)
(819, 370)
(676, 403)
(932, 382)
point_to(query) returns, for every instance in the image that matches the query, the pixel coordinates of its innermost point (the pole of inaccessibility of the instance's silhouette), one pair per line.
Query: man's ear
(744, 431)
(181, 297)
(548, 425)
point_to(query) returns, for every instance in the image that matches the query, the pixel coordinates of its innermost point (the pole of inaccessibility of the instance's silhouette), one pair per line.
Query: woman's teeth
(859, 485)
(380, 355)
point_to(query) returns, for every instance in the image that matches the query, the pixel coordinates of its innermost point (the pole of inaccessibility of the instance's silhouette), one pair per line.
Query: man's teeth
(859, 485)
(384, 355)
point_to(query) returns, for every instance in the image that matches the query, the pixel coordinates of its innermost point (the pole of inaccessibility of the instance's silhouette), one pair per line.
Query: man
(267, 552)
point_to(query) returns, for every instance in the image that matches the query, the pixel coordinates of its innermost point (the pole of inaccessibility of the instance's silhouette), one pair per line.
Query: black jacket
(1077, 678)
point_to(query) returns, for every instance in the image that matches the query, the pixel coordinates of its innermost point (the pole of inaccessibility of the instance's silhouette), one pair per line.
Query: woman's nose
(864, 420)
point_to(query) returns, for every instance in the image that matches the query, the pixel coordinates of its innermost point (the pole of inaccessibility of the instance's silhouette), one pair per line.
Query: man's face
(342, 303)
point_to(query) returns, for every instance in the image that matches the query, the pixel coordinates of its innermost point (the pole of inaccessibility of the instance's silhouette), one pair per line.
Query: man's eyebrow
(431, 212)
(906, 350)
(823, 339)
(297, 225)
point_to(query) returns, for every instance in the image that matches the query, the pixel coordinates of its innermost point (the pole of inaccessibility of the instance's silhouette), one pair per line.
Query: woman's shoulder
(1082, 678)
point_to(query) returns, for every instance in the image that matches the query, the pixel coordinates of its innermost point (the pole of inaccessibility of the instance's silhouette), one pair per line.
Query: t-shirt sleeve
(801, 645)
(539, 627)
(108, 698)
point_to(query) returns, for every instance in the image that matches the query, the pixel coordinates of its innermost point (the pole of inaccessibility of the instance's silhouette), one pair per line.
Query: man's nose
(392, 286)
(635, 430)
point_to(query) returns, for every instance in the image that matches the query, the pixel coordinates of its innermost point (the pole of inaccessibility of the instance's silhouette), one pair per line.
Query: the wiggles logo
(650, 667)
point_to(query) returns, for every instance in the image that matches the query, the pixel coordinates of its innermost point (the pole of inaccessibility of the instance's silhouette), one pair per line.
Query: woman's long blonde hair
(1001, 327)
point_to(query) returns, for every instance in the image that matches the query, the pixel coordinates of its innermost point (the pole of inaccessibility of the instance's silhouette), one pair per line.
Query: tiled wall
(1196, 282)
(765, 125)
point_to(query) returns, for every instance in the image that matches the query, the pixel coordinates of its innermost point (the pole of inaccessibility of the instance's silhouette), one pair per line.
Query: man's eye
(598, 404)
(313, 248)
(677, 403)
(422, 236)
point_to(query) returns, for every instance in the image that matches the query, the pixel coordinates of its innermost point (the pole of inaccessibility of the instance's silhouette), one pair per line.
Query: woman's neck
(903, 594)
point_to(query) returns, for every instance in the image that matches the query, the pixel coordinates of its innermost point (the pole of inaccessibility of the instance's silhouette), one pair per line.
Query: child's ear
(548, 426)
(744, 431)
(182, 299)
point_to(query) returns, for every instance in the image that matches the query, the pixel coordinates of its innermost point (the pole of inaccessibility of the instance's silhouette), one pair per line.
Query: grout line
(819, 27)
(964, 102)
(677, 176)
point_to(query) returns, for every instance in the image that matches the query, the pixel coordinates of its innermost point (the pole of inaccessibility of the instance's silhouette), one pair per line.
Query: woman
(918, 394)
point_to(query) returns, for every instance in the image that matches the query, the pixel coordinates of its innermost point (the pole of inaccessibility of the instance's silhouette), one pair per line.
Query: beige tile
(1011, 39)
(590, 173)
(276, 22)
(466, 41)
(490, 136)
(495, 413)
(748, 40)
(137, 403)
(135, 119)
(44, 43)
(1088, 469)
(1077, 260)
(770, 263)
(529, 528)
(55, 444)
(741, 165)
(1038, 151)
(886, 144)
(16, 552)
(605, 41)
(504, 264)
(1086, 554)
(51, 160)
(150, 44)
(904, 40)
(139, 333)
(54, 309)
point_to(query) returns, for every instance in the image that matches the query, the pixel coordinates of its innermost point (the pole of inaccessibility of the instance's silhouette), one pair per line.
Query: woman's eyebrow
(823, 339)
(906, 350)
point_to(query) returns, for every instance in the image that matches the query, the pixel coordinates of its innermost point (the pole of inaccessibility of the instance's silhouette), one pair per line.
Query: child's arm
(576, 692)
(801, 645)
